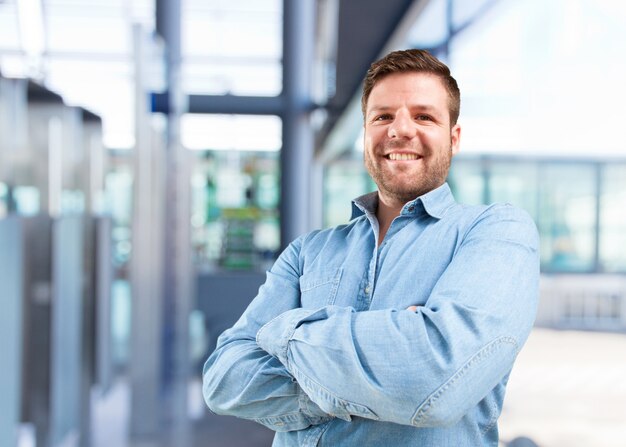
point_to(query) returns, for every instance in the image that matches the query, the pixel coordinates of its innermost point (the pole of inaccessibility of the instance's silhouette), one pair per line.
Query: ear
(455, 139)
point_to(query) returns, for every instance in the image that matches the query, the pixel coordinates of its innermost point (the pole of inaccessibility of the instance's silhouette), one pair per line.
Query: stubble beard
(434, 174)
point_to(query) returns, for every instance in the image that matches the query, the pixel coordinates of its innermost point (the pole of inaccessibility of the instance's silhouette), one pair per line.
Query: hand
(412, 308)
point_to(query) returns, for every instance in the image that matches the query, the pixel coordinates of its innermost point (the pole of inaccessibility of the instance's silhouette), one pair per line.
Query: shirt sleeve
(430, 367)
(240, 379)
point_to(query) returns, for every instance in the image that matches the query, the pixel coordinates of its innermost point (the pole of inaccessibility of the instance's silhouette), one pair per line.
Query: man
(401, 327)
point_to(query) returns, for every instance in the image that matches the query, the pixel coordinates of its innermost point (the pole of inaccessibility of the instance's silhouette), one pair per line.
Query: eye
(423, 118)
(383, 117)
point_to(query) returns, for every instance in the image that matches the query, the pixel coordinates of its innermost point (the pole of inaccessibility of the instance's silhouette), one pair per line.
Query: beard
(432, 173)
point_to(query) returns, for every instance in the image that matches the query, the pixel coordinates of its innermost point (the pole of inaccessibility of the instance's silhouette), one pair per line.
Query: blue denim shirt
(328, 355)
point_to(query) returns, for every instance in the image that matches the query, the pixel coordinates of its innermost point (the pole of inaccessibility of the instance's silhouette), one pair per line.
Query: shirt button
(367, 290)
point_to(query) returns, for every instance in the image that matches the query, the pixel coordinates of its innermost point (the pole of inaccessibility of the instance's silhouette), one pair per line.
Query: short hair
(413, 60)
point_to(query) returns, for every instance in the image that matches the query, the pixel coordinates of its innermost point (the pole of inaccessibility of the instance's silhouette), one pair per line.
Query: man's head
(410, 114)
(414, 60)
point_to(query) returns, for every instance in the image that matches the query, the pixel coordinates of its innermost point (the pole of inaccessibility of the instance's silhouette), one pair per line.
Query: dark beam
(39, 93)
(245, 105)
(365, 27)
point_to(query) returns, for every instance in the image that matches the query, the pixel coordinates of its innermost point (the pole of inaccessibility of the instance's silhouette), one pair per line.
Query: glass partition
(612, 235)
(467, 180)
(234, 218)
(515, 182)
(235, 189)
(217, 56)
(344, 181)
(567, 216)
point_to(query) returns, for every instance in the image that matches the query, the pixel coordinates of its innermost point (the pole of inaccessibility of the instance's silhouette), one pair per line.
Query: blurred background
(156, 155)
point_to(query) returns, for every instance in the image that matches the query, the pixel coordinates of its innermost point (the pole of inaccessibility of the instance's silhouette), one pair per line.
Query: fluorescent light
(231, 132)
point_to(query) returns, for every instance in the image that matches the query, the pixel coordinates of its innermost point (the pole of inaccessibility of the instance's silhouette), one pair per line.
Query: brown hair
(413, 61)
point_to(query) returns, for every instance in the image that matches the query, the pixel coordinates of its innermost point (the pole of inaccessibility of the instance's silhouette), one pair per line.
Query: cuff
(274, 336)
(315, 414)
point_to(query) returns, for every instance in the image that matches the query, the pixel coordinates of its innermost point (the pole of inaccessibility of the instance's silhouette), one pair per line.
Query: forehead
(411, 87)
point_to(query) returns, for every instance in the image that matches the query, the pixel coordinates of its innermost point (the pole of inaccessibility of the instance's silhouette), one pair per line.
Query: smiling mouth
(402, 157)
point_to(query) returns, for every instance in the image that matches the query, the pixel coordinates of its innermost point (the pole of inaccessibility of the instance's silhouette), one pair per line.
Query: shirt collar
(435, 203)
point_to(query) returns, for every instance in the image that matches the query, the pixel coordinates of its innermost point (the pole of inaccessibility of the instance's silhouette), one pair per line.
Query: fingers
(412, 308)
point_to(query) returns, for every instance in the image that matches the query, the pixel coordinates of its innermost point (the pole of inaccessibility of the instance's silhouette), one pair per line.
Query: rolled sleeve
(244, 380)
(274, 336)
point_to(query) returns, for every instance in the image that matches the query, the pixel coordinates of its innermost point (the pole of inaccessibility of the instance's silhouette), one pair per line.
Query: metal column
(11, 279)
(177, 269)
(145, 361)
(298, 138)
(68, 386)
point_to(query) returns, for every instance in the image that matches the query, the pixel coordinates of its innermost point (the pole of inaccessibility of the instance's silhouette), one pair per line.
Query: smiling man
(401, 327)
(410, 136)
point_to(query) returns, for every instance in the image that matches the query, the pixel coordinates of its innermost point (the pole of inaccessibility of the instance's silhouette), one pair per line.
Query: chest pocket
(319, 288)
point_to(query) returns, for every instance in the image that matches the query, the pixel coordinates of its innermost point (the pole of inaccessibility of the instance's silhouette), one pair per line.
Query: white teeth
(402, 157)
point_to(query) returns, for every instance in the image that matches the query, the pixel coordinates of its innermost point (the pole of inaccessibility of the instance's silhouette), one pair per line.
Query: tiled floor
(568, 389)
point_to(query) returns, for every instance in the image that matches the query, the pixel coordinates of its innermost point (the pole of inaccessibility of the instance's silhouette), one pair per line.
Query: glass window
(88, 57)
(247, 77)
(344, 181)
(77, 33)
(232, 47)
(431, 27)
(467, 180)
(464, 11)
(9, 31)
(515, 182)
(27, 200)
(613, 219)
(517, 69)
(567, 216)
(104, 88)
(119, 197)
(4, 200)
(235, 199)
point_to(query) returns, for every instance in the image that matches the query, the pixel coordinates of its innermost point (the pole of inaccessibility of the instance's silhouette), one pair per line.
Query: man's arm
(240, 379)
(431, 366)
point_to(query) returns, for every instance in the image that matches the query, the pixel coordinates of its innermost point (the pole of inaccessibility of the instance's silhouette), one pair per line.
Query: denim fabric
(328, 355)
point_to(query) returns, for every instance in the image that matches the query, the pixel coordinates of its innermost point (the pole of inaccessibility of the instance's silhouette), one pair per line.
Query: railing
(588, 302)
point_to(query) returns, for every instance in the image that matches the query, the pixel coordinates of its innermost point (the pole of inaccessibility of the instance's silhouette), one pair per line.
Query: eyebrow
(421, 107)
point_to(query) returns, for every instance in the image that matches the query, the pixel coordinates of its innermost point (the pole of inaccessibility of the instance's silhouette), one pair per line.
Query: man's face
(408, 142)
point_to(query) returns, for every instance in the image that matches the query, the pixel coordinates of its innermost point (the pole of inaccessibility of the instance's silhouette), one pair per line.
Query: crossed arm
(243, 380)
(289, 368)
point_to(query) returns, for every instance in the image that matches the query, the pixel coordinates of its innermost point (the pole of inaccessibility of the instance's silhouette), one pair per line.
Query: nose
(401, 126)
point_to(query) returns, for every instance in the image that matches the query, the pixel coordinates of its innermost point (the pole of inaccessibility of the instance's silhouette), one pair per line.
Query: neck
(387, 211)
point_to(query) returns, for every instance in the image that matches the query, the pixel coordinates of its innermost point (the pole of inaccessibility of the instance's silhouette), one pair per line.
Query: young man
(401, 327)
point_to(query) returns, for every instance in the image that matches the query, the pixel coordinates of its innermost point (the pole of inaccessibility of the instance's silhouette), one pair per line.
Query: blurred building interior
(157, 155)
